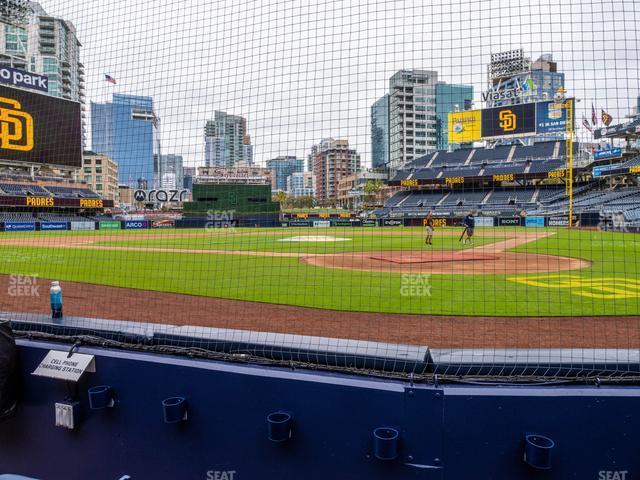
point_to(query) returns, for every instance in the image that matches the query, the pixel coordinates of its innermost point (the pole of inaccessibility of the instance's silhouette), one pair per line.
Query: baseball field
(317, 280)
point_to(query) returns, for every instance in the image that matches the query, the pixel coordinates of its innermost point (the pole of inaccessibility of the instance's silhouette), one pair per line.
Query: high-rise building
(226, 142)
(189, 174)
(281, 168)
(34, 41)
(449, 98)
(171, 172)
(127, 131)
(412, 119)
(412, 115)
(380, 132)
(301, 184)
(332, 160)
(101, 174)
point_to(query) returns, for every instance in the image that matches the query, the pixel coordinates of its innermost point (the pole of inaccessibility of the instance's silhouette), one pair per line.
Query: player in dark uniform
(469, 225)
(428, 223)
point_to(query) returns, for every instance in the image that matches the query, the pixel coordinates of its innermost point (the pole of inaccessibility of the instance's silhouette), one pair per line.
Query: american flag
(110, 79)
(586, 125)
(594, 117)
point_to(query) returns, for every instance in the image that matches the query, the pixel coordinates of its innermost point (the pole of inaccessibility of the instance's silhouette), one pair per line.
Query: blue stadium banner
(19, 226)
(621, 129)
(551, 117)
(534, 222)
(609, 153)
(369, 223)
(136, 224)
(24, 79)
(48, 226)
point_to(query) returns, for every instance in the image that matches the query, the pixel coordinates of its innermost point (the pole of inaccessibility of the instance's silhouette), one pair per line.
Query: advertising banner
(83, 225)
(135, 224)
(509, 222)
(551, 117)
(609, 153)
(509, 120)
(321, 223)
(620, 129)
(465, 126)
(161, 195)
(39, 128)
(484, 222)
(392, 222)
(24, 79)
(298, 223)
(109, 225)
(608, 170)
(48, 226)
(284, 224)
(19, 226)
(560, 221)
(165, 224)
(536, 222)
(341, 222)
(368, 223)
(49, 202)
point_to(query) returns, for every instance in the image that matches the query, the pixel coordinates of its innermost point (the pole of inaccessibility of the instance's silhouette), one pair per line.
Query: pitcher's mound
(431, 257)
(477, 262)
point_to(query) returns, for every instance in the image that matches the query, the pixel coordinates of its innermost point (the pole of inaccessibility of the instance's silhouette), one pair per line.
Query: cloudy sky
(303, 70)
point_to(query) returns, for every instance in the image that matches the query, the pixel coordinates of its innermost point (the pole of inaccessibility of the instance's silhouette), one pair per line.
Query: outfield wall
(276, 220)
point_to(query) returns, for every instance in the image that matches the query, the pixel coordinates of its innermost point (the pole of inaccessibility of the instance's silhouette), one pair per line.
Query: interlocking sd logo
(16, 126)
(508, 120)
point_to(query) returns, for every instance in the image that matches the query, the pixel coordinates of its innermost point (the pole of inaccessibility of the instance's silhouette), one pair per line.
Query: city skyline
(283, 121)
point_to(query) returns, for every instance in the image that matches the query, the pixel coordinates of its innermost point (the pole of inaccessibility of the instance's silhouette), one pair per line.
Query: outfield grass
(609, 287)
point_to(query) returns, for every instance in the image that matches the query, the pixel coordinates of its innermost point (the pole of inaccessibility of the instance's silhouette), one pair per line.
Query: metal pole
(569, 153)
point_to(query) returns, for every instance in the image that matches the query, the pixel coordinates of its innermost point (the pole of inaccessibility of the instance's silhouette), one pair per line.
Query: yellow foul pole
(569, 153)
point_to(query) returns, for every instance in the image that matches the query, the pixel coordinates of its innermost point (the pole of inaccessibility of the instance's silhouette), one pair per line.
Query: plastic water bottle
(55, 294)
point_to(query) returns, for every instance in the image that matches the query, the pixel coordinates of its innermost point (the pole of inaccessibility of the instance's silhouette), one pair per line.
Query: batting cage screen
(386, 187)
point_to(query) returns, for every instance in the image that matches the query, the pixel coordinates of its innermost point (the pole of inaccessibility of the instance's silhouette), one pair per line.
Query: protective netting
(424, 188)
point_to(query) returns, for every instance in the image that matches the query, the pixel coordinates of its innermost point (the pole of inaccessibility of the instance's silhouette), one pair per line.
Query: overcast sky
(303, 70)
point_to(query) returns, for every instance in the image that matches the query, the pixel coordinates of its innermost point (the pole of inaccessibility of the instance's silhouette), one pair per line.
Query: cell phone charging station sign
(62, 366)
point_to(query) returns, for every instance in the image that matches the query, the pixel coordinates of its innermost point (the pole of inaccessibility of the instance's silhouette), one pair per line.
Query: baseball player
(429, 228)
(469, 225)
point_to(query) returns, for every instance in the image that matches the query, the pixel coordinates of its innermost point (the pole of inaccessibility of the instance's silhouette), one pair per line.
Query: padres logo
(16, 127)
(606, 288)
(507, 120)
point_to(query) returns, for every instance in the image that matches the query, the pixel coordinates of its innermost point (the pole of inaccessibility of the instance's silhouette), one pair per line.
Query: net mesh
(434, 189)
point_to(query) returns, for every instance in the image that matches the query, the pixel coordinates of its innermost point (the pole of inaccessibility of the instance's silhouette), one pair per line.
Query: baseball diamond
(507, 278)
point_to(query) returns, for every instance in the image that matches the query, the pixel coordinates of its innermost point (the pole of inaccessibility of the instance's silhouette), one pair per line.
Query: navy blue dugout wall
(447, 432)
